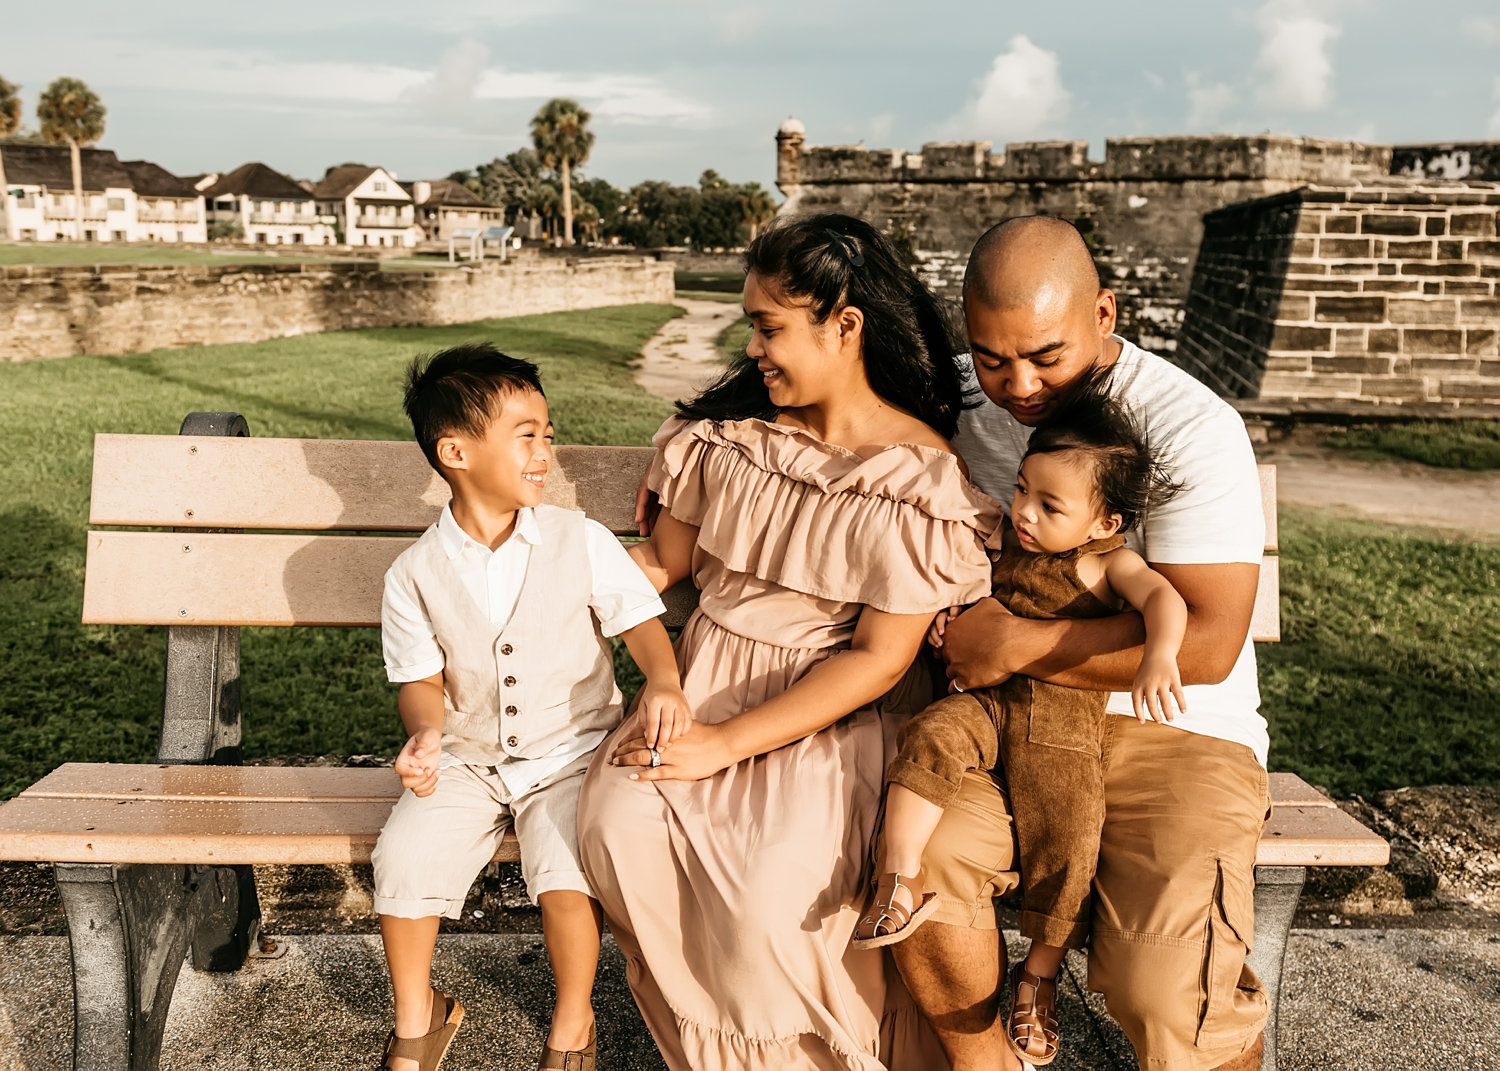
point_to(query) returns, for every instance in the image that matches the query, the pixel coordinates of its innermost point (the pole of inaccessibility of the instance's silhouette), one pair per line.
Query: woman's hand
(694, 756)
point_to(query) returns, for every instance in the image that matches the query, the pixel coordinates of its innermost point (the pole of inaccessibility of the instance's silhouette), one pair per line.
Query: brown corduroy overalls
(1043, 739)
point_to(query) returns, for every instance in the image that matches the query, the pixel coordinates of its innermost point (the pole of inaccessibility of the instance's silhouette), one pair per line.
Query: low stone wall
(114, 309)
(1379, 291)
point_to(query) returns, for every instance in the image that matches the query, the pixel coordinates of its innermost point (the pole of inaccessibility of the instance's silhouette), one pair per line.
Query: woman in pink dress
(813, 498)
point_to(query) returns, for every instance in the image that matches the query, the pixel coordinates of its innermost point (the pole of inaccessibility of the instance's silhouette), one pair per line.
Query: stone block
(1353, 267)
(1289, 337)
(1343, 248)
(1307, 267)
(1310, 222)
(1450, 250)
(1383, 340)
(1370, 366)
(1435, 225)
(1341, 223)
(1351, 340)
(1476, 287)
(1482, 341)
(1483, 250)
(1422, 310)
(1391, 223)
(1447, 268)
(1283, 363)
(1410, 250)
(1472, 224)
(1457, 365)
(1392, 386)
(1361, 309)
(1486, 389)
(1389, 268)
(1308, 385)
(1304, 247)
(1431, 341)
(1479, 310)
(1432, 286)
(1294, 307)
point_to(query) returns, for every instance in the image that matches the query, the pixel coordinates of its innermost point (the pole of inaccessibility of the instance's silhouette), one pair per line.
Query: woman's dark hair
(1129, 479)
(829, 262)
(458, 391)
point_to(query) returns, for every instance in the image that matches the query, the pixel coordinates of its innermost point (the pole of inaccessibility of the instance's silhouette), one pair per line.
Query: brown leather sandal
(429, 1049)
(1031, 1026)
(575, 1060)
(887, 921)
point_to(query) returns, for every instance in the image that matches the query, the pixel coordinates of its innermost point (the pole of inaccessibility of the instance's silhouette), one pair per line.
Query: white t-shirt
(1216, 518)
(622, 598)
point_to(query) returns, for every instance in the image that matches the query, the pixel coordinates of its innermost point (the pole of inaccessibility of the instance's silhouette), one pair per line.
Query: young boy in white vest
(494, 624)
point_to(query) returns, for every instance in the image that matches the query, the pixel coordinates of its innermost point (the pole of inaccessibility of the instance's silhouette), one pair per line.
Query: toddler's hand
(417, 764)
(664, 713)
(940, 625)
(1157, 685)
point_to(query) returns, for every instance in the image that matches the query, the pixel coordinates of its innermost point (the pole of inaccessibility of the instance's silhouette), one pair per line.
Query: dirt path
(681, 357)
(1449, 501)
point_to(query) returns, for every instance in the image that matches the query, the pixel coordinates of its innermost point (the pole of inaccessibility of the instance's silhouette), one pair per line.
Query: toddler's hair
(458, 391)
(1128, 478)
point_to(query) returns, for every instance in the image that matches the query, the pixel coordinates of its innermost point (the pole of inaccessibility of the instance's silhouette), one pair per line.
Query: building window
(297, 238)
(180, 237)
(260, 237)
(28, 234)
(90, 236)
(116, 204)
(379, 187)
(116, 236)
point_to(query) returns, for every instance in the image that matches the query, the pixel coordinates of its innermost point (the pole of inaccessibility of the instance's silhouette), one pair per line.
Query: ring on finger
(655, 756)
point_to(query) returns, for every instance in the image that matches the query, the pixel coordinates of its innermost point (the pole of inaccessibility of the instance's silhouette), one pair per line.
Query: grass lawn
(725, 282)
(1389, 666)
(1449, 444)
(733, 340)
(1387, 675)
(75, 692)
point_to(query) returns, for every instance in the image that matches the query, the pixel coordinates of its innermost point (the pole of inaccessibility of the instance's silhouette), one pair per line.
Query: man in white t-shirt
(1186, 801)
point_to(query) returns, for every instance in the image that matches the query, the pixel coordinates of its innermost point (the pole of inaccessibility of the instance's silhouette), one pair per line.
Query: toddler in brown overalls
(1087, 477)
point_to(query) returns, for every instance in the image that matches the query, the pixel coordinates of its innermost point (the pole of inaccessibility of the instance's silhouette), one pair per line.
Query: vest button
(512, 741)
(509, 682)
(512, 711)
(506, 648)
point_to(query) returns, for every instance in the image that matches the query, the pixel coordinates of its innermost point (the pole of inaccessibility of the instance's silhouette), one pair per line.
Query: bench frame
(130, 925)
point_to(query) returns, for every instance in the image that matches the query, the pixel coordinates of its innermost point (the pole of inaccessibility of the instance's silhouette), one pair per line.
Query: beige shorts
(1174, 909)
(433, 847)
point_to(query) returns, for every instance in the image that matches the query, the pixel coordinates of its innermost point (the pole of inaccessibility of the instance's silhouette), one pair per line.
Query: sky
(677, 86)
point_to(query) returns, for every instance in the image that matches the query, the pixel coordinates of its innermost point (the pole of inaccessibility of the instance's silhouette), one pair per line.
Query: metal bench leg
(1277, 890)
(128, 928)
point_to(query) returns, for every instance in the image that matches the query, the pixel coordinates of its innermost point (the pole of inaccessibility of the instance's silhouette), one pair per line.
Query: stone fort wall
(1141, 208)
(113, 309)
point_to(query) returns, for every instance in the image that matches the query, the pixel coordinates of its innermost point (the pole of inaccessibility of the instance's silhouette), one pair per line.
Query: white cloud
(1021, 96)
(1154, 80)
(1481, 30)
(1207, 102)
(1294, 68)
(1495, 115)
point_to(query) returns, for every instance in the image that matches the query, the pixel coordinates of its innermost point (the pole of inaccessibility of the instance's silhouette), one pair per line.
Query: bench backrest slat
(305, 486)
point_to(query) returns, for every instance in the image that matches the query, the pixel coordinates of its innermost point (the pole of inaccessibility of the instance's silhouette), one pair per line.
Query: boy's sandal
(887, 921)
(575, 1060)
(1031, 1027)
(429, 1049)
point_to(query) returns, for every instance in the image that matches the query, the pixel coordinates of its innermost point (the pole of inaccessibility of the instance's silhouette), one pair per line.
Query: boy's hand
(418, 762)
(664, 713)
(1157, 685)
(940, 625)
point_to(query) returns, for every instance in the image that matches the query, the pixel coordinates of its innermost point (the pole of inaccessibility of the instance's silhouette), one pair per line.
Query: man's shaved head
(1030, 262)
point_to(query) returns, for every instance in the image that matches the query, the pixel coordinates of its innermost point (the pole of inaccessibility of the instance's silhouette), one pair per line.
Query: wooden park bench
(153, 861)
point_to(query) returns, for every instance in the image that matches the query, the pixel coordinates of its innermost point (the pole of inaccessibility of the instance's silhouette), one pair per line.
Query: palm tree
(10, 108)
(562, 138)
(71, 114)
(756, 206)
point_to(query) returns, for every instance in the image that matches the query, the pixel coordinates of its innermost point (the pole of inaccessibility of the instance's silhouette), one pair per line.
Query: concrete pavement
(1357, 1000)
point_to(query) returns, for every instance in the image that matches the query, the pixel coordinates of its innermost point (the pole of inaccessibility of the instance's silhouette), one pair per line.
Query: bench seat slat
(1318, 836)
(287, 784)
(217, 832)
(1288, 788)
(322, 484)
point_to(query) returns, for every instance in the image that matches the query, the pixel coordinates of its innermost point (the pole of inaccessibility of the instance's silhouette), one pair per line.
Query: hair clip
(856, 259)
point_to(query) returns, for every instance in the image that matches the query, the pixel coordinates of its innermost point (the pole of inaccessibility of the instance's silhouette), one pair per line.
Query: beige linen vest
(546, 676)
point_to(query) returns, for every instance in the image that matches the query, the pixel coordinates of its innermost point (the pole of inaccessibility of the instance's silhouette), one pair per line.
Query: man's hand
(417, 764)
(972, 644)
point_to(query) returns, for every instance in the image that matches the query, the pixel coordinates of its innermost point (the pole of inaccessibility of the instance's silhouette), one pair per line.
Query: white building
(369, 206)
(445, 207)
(267, 207)
(168, 208)
(39, 196)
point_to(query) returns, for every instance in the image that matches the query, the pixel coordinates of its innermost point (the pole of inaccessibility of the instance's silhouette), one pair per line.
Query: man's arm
(987, 643)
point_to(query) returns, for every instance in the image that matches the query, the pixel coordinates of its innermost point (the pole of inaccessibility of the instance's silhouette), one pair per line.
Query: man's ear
(450, 452)
(1105, 313)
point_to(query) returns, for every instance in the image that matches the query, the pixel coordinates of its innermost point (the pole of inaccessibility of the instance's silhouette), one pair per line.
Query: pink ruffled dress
(733, 898)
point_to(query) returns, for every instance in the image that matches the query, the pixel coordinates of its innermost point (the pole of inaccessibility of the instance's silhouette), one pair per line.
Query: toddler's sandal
(1031, 1027)
(887, 921)
(429, 1049)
